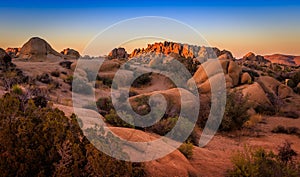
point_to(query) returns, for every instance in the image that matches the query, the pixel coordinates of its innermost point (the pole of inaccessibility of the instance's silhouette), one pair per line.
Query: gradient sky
(260, 27)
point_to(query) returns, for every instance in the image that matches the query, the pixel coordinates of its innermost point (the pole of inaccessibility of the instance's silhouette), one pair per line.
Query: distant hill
(283, 59)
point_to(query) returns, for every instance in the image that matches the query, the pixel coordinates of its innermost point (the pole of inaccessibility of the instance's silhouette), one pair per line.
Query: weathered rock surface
(37, 49)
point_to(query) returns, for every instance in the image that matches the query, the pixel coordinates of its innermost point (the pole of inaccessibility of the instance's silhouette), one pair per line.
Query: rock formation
(70, 53)
(37, 49)
(4, 57)
(13, 52)
(207, 73)
(251, 57)
(118, 53)
(183, 50)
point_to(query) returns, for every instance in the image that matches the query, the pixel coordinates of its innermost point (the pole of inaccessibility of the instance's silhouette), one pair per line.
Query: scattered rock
(44, 78)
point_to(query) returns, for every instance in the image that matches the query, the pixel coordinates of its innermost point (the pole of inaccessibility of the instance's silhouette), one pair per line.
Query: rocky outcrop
(70, 53)
(251, 57)
(37, 49)
(274, 88)
(13, 52)
(118, 53)
(183, 50)
(4, 57)
(5, 60)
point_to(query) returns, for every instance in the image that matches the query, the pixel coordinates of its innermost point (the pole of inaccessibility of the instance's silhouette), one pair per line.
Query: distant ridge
(283, 59)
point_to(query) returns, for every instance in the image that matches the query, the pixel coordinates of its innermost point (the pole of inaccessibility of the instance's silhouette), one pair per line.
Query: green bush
(44, 142)
(186, 149)
(55, 73)
(287, 130)
(106, 81)
(104, 105)
(69, 80)
(142, 80)
(114, 119)
(163, 126)
(235, 114)
(261, 163)
(81, 87)
(16, 89)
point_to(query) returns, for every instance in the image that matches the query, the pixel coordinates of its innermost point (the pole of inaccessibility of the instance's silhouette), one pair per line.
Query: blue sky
(261, 27)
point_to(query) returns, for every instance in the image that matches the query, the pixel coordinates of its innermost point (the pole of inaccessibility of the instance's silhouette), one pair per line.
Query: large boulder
(37, 49)
(118, 53)
(209, 69)
(234, 72)
(246, 78)
(70, 53)
(255, 94)
(173, 100)
(273, 87)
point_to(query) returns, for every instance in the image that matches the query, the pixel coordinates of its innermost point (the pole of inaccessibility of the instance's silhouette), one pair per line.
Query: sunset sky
(263, 28)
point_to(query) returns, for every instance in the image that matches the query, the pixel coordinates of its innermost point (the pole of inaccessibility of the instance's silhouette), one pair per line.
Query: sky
(260, 27)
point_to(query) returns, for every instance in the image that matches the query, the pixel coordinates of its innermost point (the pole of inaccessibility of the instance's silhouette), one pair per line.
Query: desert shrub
(142, 80)
(81, 86)
(91, 105)
(253, 120)
(132, 93)
(40, 101)
(289, 114)
(91, 75)
(106, 81)
(265, 110)
(204, 112)
(44, 78)
(259, 162)
(235, 114)
(186, 149)
(69, 80)
(16, 89)
(296, 77)
(286, 130)
(104, 105)
(44, 142)
(114, 119)
(163, 126)
(55, 73)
